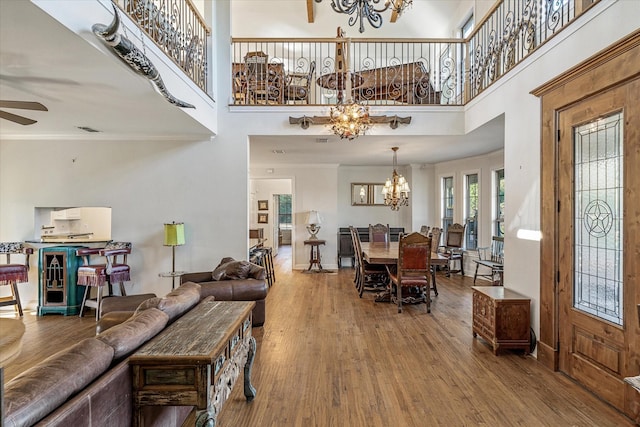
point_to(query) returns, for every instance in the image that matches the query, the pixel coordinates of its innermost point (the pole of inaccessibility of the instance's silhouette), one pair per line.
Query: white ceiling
(41, 60)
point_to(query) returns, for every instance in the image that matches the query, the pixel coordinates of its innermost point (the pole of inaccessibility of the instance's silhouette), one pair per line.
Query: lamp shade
(313, 217)
(174, 234)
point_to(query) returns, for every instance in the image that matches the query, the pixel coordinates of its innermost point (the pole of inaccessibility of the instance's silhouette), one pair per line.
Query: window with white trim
(498, 204)
(471, 199)
(447, 203)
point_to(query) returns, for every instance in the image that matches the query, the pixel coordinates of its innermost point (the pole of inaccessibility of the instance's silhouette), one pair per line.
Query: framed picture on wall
(263, 218)
(263, 205)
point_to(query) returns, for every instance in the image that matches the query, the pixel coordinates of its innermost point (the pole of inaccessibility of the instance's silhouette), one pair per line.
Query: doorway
(271, 210)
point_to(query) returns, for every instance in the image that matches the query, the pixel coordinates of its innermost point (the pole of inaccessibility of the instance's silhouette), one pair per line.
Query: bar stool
(12, 274)
(109, 272)
(264, 258)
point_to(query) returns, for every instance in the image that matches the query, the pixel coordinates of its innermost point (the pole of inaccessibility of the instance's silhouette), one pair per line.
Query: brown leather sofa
(90, 382)
(234, 280)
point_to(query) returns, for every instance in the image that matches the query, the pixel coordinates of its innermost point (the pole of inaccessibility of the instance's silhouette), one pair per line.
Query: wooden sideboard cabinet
(502, 317)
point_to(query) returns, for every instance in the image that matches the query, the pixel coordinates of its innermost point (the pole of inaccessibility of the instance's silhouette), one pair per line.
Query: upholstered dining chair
(425, 230)
(453, 247)
(13, 273)
(379, 233)
(112, 268)
(298, 85)
(413, 272)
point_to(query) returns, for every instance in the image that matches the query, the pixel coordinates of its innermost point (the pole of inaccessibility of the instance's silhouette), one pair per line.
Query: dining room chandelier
(349, 120)
(396, 190)
(361, 10)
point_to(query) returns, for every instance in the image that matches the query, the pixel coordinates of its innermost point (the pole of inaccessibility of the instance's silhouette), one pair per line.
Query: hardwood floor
(328, 358)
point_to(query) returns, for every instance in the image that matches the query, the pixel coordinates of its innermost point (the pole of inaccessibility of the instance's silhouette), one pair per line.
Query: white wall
(146, 184)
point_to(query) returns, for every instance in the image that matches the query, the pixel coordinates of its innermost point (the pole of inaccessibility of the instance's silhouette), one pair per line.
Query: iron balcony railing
(396, 71)
(178, 29)
(315, 71)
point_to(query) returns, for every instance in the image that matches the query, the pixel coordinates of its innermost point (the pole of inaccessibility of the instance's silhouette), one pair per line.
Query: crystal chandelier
(349, 120)
(359, 10)
(396, 190)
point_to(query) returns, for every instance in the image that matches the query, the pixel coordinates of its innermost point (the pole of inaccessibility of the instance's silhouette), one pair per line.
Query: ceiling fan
(23, 105)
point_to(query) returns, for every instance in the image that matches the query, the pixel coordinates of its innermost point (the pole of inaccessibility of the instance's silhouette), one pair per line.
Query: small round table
(314, 254)
(173, 275)
(338, 82)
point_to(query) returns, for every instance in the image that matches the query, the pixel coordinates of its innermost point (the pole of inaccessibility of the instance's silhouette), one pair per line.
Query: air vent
(322, 140)
(278, 151)
(87, 129)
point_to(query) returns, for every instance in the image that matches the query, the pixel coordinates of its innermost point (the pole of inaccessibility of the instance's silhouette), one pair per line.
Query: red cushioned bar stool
(113, 269)
(12, 274)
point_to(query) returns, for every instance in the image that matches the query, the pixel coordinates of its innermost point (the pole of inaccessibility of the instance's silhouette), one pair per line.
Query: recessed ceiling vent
(278, 151)
(87, 129)
(322, 140)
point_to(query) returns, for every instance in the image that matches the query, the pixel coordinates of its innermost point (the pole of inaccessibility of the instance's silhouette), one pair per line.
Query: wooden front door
(598, 229)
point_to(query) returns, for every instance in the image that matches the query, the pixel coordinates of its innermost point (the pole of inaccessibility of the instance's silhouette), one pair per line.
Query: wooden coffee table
(196, 361)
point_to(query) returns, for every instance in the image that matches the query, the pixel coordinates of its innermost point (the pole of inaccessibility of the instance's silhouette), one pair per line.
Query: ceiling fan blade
(18, 119)
(23, 105)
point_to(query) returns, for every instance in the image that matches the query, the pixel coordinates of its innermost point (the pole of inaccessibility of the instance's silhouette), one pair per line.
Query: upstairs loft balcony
(395, 72)
(388, 72)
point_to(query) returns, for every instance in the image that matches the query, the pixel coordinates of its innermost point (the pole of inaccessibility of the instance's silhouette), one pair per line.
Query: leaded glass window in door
(598, 202)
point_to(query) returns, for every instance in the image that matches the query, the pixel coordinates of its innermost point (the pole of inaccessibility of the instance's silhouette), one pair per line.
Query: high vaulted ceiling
(42, 61)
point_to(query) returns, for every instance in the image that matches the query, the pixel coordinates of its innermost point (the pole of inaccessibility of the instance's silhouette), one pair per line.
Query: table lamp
(174, 236)
(313, 224)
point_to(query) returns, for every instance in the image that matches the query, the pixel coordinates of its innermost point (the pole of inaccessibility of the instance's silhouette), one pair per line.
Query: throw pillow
(233, 270)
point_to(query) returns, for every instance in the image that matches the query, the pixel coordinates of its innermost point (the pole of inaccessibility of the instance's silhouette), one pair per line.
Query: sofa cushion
(235, 290)
(176, 302)
(231, 270)
(42, 388)
(135, 331)
(123, 303)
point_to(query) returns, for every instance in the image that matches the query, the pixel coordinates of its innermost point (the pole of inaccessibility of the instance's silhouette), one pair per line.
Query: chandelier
(396, 190)
(349, 120)
(359, 10)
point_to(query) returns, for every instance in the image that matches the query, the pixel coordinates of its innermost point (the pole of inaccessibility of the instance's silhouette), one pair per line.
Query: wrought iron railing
(178, 29)
(396, 71)
(511, 31)
(314, 71)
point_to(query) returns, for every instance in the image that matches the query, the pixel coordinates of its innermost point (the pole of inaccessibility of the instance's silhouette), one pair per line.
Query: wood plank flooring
(328, 358)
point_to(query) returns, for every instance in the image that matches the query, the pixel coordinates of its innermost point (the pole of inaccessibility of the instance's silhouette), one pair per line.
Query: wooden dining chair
(374, 275)
(453, 247)
(298, 85)
(379, 233)
(491, 257)
(256, 76)
(413, 272)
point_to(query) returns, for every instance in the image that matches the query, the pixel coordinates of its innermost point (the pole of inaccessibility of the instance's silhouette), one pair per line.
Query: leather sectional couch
(234, 280)
(90, 383)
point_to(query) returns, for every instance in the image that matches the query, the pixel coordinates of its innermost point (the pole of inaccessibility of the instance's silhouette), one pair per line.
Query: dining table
(387, 254)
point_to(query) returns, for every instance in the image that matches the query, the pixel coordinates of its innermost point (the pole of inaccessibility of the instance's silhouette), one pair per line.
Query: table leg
(249, 390)
(205, 418)
(318, 257)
